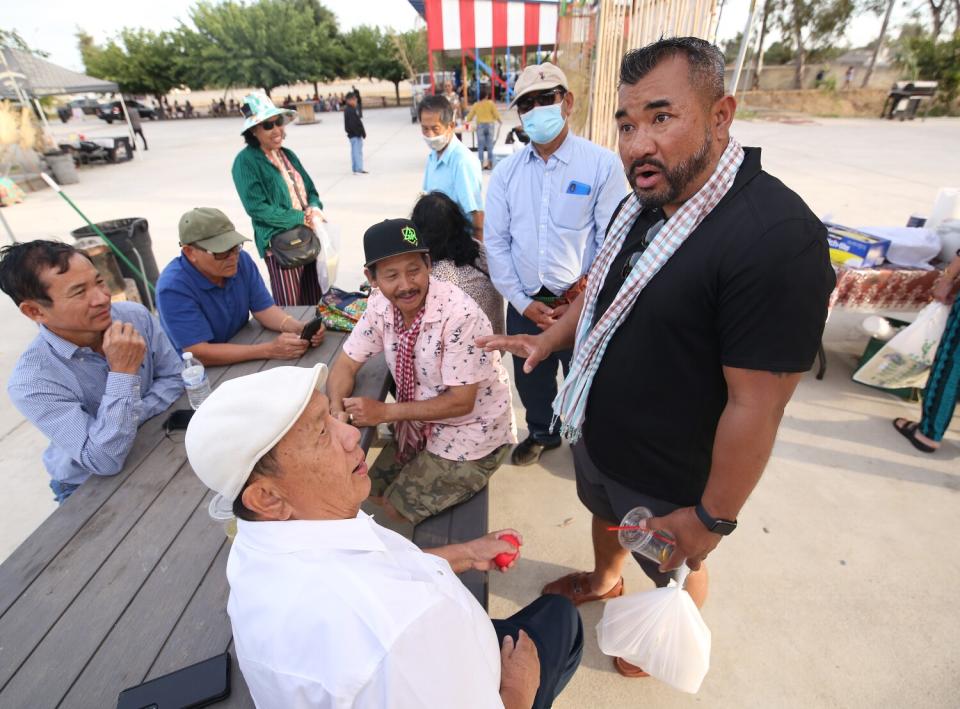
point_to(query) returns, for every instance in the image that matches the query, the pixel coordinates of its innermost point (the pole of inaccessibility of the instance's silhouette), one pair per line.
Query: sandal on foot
(625, 669)
(908, 429)
(576, 587)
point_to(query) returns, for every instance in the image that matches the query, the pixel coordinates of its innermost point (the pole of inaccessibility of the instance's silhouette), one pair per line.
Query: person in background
(848, 77)
(356, 93)
(134, 115)
(277, 194)
(328, 608)
(455, 256)
(485, 111)
(206, 295)
(356, 133)
(943, 385)
(548, 206)
(453, 98)
(451, 167)
(453, 414)
(95, 371)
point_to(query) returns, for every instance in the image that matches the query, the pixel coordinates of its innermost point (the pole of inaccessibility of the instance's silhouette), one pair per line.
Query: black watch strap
(718, 526)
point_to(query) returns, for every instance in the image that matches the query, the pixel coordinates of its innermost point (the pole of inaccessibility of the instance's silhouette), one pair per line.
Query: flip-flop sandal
(576, 587)
(909, 431)
(625, 669)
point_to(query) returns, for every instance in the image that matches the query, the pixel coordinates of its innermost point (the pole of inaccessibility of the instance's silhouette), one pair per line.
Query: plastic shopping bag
(329, 257)
(906, 359)
(660, 631)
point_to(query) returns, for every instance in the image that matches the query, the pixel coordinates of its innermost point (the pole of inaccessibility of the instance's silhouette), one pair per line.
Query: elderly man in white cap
(330, 609)
(547, 211)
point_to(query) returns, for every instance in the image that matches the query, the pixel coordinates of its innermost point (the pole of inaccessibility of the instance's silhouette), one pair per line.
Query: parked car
(88, 105)
(112, 111)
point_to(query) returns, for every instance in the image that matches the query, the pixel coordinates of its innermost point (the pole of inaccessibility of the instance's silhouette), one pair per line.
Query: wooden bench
(460, 523)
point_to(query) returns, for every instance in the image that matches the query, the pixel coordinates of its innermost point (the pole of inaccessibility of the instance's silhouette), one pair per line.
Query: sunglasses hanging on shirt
(647, 240)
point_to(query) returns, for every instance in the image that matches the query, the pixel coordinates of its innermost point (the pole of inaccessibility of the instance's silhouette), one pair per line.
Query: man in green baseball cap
(207, 294)
(453, 416)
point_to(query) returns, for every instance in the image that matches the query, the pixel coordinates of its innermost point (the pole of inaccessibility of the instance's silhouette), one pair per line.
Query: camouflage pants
(429, 484)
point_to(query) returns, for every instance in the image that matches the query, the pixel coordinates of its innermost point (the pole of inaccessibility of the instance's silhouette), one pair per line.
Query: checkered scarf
(591, 342)
(411, 435)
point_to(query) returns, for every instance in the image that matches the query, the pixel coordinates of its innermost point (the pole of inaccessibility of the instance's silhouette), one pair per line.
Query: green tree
(925, 58)
(265, 44)
(140, 61)
(812, 25)
(779, 52)
(731, 48)
(327, 57)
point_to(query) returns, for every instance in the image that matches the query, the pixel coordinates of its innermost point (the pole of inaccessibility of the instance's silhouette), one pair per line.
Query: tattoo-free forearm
(342, 379)
(457, 555)
(213, 354)
(743, 442)
(454, 402)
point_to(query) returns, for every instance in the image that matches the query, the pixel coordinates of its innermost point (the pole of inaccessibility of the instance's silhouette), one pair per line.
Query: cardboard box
(854, 249)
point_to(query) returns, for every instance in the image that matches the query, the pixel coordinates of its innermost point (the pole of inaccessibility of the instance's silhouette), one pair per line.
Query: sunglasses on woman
(270, 125)
(547, 98)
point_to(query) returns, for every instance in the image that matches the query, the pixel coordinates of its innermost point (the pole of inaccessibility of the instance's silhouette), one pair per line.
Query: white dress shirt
(546, 220)
(346, 613)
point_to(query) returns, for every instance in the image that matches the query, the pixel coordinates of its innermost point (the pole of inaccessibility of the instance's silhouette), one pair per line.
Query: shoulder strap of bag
(289, 168)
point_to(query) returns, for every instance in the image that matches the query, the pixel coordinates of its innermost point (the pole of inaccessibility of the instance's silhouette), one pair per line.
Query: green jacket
(265, 195)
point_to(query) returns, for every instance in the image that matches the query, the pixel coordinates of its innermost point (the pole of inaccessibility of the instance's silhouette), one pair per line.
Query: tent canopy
(37, 77)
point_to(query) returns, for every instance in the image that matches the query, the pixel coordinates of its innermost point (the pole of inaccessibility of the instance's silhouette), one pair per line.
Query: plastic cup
(656, 546)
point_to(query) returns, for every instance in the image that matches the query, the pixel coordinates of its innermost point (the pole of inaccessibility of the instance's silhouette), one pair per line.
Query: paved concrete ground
(839, 588)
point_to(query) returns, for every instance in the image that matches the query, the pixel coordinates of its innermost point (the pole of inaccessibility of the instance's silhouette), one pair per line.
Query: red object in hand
(503, 559)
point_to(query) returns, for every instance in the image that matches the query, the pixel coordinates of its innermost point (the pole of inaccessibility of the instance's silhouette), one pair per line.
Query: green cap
(209, 229)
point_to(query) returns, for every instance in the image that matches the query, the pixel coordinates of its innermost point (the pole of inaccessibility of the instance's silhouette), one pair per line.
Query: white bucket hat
(258, 108)
(242, 420)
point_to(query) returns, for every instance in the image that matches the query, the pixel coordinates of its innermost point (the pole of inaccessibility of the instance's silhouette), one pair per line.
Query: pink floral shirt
(446, 356)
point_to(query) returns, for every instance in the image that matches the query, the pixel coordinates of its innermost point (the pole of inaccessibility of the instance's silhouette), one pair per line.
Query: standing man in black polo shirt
(705, 306)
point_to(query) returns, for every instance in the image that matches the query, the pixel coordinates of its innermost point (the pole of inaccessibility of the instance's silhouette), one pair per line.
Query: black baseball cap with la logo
(392, 237)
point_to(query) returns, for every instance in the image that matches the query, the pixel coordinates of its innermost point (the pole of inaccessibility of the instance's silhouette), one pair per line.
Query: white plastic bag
(329, 257)
(906, 359)
(660, 631)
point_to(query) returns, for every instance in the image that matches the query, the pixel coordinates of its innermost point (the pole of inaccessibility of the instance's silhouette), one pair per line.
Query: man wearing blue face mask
(451, 167)
(547, 211)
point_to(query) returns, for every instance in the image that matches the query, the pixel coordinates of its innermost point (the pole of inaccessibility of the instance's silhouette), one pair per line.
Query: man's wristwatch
(717, 526)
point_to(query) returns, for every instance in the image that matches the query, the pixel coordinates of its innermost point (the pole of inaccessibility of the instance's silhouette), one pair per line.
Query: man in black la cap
(453, 415)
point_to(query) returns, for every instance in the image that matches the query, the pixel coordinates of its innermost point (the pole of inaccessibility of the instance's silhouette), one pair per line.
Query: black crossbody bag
(298, 246)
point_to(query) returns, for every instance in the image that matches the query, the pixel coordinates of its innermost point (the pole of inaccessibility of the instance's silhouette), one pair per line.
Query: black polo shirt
(747, 289)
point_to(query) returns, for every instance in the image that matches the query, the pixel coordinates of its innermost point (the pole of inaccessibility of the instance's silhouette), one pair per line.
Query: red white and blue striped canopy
(489, 24)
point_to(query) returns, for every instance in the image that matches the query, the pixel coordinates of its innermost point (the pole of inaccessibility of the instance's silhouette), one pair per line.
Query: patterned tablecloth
(884, 288)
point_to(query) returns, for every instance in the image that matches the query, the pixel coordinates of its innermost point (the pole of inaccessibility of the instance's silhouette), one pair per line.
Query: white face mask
(437, 142)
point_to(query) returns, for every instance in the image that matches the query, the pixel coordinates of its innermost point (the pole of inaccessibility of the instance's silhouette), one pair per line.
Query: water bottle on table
(194, 380)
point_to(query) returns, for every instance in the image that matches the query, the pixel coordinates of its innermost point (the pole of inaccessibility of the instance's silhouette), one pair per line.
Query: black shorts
(610, 500)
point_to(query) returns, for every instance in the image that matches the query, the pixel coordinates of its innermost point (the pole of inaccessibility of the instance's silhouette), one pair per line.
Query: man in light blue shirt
(547, 211)
(95, 371)
(451, 167)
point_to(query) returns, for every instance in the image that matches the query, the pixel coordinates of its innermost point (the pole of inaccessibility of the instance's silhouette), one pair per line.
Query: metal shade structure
(36, 78)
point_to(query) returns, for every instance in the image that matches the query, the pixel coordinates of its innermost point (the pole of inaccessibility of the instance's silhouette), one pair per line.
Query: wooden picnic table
(126, 581)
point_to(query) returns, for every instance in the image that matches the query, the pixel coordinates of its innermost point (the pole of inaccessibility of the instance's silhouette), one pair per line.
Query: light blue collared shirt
(545, 221)
(456, 173)
(89, 414)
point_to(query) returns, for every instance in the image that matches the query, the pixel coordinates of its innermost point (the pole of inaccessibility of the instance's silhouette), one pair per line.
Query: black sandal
(909, 431)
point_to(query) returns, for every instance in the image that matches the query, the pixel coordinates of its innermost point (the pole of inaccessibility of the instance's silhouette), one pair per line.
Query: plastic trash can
(132, 237)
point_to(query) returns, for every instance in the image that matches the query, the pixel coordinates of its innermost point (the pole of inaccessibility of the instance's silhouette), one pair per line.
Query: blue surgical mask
(543, 123)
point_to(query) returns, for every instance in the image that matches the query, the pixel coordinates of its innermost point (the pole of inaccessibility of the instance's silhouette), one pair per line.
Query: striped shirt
(89, 414)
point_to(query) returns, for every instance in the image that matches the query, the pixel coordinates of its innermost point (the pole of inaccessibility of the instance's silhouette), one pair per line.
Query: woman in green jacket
(278, 194)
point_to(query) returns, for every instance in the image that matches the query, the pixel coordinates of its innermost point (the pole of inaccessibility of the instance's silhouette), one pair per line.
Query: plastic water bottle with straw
(194, 380)
(654, 545)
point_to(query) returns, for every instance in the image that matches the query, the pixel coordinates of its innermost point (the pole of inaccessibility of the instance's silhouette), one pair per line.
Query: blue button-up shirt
(456, 173)
(545, 220)
(194, 309)
(89, 414)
